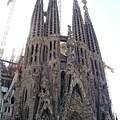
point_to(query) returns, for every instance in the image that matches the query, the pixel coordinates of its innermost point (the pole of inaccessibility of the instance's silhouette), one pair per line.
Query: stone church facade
(56, 86)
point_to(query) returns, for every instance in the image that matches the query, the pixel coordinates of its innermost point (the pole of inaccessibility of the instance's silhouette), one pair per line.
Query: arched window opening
(103, 116)
(27, 112)
(50, 56)
(36, 50)
(25, 95)
(32, 49)
(12, 100)
(45, 115)
(75, 116)
(81, 51)
(97, 73)
(40, 54)
(54, 44)
(31, 59)
(100, 67)
(43, 53)
(62, 83)
(50, 46)
(83, 62)
(5, 109)
(27, 55)
(76, 89)
(46, 53)
(110, 111)
(92, 66)
(96, 65)
(95, 84)
(8, 109)
(35, 58)
(85, 54)
(17, 118)
(104, 87)
(69, 79)
(103, 99)
(54, 55)
(78, 55)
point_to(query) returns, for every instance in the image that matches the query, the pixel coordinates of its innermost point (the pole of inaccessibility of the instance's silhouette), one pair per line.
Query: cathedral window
(81, 51)
(27, 55)
(54, 55)
(104, 87)
(50, 46)
(103, 99)
(25, 95)
(8, 109)
(36, 50)
(77, 90)
(96, 64)
(12, 100)
(54, 44)
(92, 66)
(32, 49)
(5, 109)
(85, 54)
(74, 116)
(95, 84)
(69, 79)
(31, 59)
(78, 55)
(35, 58)
(46, 53)
(53, 65)
(43, 53)
(50, 56)
(40, 54)
(27, 112)
(34, 70)
(17, 118)
(45, 115)
(82, 61)
(103, 116)
(62, 83)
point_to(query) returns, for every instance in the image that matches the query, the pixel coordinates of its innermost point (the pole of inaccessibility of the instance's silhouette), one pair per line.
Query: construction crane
(3, 43)
(13, 55)
(59, 9)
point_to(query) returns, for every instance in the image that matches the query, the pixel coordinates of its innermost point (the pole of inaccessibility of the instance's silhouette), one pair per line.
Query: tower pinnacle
(52, 19)
(90, 32)
(77, 23)
(37, 21)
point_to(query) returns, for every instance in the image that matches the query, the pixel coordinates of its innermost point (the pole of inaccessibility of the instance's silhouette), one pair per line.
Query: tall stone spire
(52, 19)
(90, 32)
(77, 23)
(37, 21)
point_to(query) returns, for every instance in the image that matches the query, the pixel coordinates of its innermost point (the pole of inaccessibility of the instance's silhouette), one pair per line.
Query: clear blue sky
(105, 16)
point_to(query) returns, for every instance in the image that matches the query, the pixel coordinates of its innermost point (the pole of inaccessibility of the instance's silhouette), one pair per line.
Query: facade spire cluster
(56, 86)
